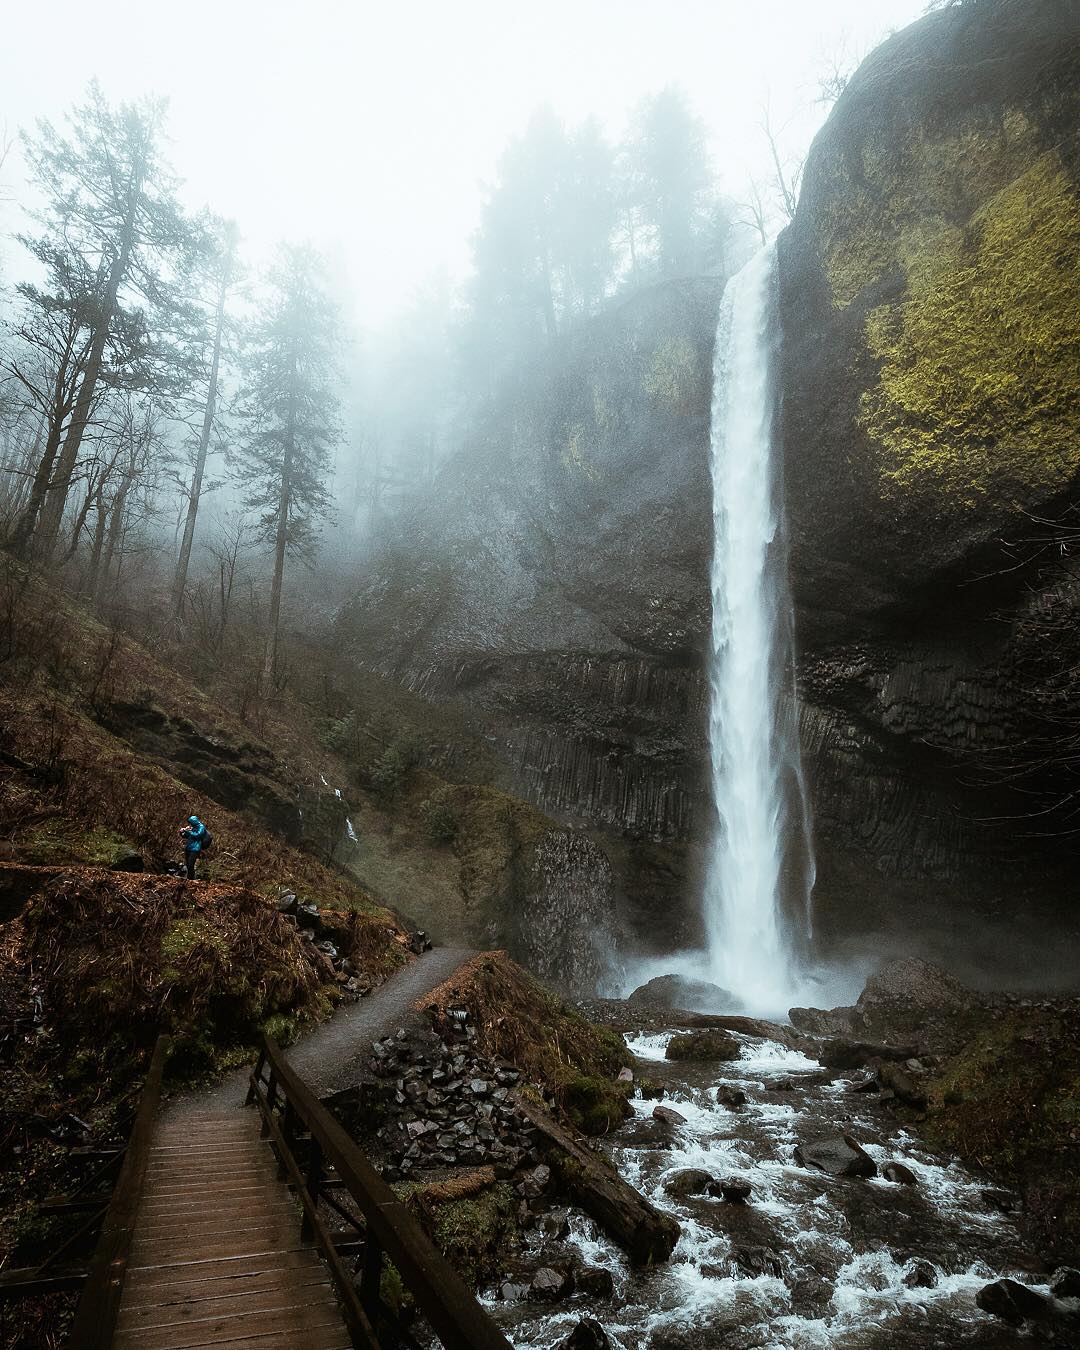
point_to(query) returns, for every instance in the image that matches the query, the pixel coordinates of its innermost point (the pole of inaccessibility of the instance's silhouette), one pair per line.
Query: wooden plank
(147, 1281)
(198, 1301)
(242, 1303)
(297, 1322)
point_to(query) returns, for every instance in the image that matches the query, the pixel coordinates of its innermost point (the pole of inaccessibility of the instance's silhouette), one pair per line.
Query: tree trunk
(281, 535)
(116, 523)
(20, 539)
(200, 459)
(52, 512)
(642, 1231)
(93, 570)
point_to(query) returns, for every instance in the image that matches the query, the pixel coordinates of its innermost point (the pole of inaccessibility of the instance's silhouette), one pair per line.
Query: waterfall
(760, 861)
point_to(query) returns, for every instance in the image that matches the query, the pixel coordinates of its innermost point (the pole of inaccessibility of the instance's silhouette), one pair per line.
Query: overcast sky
(372, 128)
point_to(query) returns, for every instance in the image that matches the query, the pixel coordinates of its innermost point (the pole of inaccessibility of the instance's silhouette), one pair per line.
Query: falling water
(761, 844)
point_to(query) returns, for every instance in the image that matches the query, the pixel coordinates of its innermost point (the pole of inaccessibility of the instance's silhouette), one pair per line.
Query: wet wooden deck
(217, 1258)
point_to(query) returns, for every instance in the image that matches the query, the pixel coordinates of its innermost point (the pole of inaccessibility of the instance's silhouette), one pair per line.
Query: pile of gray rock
(439, 1104)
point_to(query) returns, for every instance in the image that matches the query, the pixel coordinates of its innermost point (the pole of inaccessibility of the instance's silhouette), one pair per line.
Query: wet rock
(1011, 1301)
(513, 1293)
(667, 1116)
(1002, 1201)
(900, 1173)
(593, 1281)
(734, 1190)
(703, 1045)
(913, 982)
(587, 1335)
(839, 1155)
(897, 1080)
(1065, 1282)
(548, 1285)
(753, 1262)
(843, 1053)
(731, 1097)
(677, 991)
(919, 1275)
(536, 1182)
(784, 1085)
(626, 1075)
(688, 1181)
(822, 1021)
(287, 902)
(651, 1089)
(555, 1224)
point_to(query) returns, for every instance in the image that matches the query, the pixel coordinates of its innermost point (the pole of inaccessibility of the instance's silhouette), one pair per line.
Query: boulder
(920, 1274)
(1065, 1282)
(844, 1053)
(1012, 1301)
(731, 1097)
(678, 991)
(651, 1089)
(757, 1261)
(704, 1046)
(667, 1116)
(587, 1335)
(688, 1181)
(548, 1285)
(513, 1293)
(900, 1173)
(734, 1190)
(839, 1155)
(915, 983)
(593, 1281)
(823, 1021)
(899, 1081)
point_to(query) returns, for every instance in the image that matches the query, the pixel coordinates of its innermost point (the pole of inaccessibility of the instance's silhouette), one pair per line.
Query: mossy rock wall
(931, 305)
(929, 385)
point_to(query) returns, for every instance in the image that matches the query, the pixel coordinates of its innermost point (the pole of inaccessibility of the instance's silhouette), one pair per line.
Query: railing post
(314, 1185)
(271, 1101)
(288, 1134)
(371, 1275)
(256, 1075)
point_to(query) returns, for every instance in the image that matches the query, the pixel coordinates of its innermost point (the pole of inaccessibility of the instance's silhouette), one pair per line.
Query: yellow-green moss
(475, 1233)
(674, 376)
(979, 386)
(900, 201)
(187, 934)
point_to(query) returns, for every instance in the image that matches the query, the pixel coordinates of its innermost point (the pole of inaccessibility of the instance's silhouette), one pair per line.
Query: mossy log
(644, 1233)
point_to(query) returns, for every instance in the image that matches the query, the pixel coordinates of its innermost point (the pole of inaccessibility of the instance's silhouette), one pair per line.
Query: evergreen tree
(666, 184)
(111, 215)
(289, 416)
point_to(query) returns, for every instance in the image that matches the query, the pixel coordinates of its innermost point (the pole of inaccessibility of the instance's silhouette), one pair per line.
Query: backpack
(206, 840)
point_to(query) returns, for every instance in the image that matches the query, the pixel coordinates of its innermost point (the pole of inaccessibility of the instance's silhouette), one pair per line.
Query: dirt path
(329, 1057)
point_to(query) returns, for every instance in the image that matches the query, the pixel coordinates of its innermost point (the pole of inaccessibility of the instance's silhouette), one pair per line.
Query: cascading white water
(753, 740)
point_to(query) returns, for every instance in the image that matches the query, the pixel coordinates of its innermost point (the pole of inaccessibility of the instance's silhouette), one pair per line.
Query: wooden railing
(324, 1165)
(95, 1320)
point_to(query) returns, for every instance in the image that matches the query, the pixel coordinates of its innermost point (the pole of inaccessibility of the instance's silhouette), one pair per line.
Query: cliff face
(930, 301)
(930, 419)
(559, 586)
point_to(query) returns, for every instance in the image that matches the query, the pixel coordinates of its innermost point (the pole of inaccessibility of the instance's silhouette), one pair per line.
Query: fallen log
(642, 1231)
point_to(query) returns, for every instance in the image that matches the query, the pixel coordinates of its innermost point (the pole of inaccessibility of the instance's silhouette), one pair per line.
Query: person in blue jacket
(196, 837)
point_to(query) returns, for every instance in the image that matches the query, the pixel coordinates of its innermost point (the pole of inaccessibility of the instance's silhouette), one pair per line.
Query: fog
(372, 130)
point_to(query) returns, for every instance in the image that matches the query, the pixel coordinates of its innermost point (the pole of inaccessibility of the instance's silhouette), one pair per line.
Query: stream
(846, 1249)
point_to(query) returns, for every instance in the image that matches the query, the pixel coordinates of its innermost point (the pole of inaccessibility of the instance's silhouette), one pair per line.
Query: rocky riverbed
(852, 1232)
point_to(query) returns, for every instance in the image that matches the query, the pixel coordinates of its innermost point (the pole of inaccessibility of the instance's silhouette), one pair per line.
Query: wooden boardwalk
(217, 1258)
